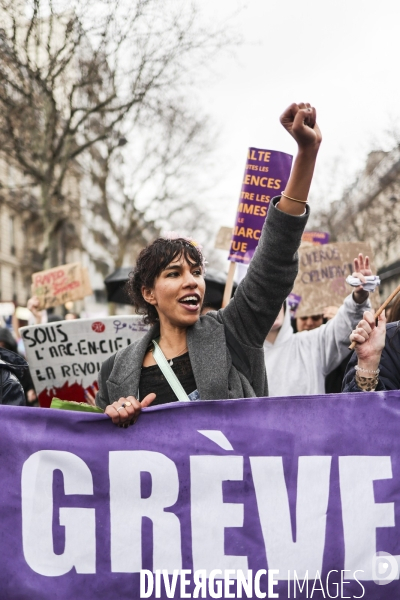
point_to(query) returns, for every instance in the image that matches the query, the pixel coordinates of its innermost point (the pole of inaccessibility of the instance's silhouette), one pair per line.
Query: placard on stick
(62, 284)
(224, 238)
(266, 175)
(321, 280)
(65, 357)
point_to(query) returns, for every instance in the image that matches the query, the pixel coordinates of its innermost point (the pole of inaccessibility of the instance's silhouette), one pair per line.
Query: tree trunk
(51, 236)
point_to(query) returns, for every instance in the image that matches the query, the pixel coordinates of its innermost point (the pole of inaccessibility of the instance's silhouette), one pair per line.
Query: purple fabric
(265, 176)
(336, 425)
(293, 301)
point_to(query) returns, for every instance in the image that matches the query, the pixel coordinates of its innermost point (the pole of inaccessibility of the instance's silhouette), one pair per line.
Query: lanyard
(169, 374)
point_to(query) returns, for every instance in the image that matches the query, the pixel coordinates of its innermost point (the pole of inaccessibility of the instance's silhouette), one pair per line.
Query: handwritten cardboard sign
(266, 175)
(322, 274)
(60, 285)
(65, 357)
(224, 238)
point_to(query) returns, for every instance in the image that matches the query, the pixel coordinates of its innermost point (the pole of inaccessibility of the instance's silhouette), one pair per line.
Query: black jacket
(12, 368)
(389, 377)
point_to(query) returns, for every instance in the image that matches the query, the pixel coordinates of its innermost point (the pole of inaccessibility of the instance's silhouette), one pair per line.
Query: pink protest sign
(265, 176)
(60, 285)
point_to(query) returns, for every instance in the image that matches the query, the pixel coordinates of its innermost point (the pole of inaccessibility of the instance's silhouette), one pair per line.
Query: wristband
(376, 372)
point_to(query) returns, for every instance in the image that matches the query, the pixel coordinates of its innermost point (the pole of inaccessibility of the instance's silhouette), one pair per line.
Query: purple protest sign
(265, 176)
(316, 237)
(293, 301)
(272, 493)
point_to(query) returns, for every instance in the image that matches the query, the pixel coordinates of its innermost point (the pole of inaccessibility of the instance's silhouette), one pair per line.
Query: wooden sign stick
(229, 284)
(380, 309)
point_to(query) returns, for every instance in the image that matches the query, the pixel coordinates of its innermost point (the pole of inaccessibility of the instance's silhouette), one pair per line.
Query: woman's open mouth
(191, 302)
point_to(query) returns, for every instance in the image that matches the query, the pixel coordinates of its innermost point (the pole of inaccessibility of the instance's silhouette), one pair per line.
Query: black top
(333, 381)
(152, 380)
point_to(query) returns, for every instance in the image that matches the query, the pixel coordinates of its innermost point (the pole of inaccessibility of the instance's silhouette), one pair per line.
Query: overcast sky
(341, 55)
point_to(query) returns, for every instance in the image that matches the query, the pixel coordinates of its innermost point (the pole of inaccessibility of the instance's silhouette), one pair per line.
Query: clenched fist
(300, 120)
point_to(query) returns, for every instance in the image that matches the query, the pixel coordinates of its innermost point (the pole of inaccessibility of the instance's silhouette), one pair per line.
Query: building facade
(369, 211)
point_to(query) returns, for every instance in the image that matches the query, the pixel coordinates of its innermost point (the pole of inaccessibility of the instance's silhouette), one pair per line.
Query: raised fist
(300, 121)
(370, 340)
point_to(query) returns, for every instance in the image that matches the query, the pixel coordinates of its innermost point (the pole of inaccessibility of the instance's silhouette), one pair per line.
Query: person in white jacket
(297, 363)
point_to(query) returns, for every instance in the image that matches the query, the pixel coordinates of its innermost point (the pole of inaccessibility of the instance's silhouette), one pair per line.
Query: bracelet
(357, 368)
(294, 199)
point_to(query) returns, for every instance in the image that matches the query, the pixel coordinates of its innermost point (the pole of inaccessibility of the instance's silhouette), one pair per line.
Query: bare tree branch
(72, 76)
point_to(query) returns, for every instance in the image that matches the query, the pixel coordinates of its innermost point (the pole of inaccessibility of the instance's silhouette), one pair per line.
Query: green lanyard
(169, 374)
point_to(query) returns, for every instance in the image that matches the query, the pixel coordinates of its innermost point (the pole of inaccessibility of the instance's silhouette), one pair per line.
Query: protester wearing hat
(297, 363)
(375, 364)
(167, 286)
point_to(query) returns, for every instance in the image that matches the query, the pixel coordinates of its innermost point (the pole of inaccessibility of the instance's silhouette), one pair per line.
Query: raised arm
(271, 274)
(300, 121)
(333, 340)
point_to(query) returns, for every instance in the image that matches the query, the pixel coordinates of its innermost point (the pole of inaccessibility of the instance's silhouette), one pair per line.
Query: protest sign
(60, 285)
(282, 492)
(266, 175)
(321, 280)
(316, 237)
(224, 238)
(293, 301)
(65, 357)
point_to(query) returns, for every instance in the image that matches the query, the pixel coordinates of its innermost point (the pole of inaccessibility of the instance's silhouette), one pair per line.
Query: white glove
(369, 286)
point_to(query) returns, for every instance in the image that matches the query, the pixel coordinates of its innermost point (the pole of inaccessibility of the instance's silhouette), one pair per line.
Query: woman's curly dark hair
(151, 261)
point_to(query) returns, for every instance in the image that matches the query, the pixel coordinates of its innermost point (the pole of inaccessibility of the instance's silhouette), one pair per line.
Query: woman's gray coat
(249, 315)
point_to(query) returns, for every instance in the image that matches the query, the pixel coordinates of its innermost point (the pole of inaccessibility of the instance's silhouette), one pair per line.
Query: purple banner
(265, 176)
(316, 237)
(203, 499)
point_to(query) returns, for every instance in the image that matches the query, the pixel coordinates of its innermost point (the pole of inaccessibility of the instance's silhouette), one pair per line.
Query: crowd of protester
(317, 348)
(249, 348)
